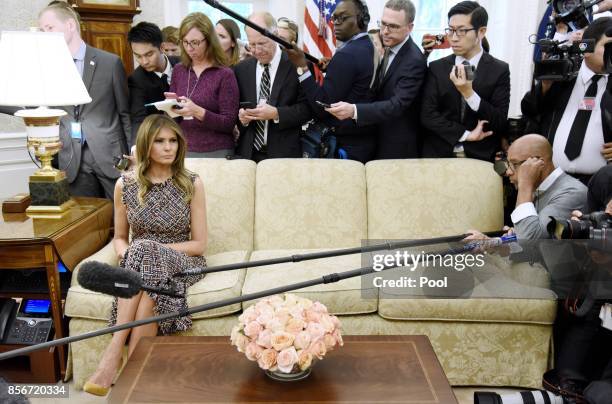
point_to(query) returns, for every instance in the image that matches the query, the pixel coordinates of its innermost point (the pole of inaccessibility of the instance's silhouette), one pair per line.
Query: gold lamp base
(50, 211)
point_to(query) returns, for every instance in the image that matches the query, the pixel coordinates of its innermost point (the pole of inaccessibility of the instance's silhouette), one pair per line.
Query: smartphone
(322, 104)
(246, 105)
(470, 72)
(441, 40)
(170, 95)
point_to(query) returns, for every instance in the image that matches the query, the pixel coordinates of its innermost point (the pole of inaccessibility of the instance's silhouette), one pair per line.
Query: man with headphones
(348, 78)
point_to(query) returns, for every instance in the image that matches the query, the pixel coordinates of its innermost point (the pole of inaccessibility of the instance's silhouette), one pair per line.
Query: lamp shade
(37, 69)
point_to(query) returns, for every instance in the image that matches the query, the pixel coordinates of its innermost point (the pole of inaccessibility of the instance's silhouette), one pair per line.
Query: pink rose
(282, 315)
(281, 340)
(253, 351)
(295, 326)
(267, 359)
(275, 325)
(265, 318)
(290, 300)
(335, 321)
(252, 329)
(330, 341)
(297, 312)
(304, 303)
(275, 301)
(312, 316)
(304, 359)
(302, 340)
(286, 359)
(241, 342)
(315, 330)
(318, 349)
(319, 307)
(338, 337)
(326, 323)
(265, 339)
(248, 316)
(263, 307)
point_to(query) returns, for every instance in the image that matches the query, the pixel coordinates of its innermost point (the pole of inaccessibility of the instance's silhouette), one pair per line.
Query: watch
(301, 70)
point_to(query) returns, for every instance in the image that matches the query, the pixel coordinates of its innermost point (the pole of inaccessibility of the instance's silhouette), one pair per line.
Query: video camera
(576, 14)
(563, 59)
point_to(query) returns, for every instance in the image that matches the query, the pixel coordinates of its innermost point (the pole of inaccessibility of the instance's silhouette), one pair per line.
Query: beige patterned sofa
(499, 337)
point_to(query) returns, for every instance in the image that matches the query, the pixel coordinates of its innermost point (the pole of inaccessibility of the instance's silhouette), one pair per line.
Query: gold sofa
(499, 337)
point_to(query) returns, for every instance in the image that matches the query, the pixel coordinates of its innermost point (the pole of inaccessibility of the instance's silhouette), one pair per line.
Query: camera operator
(572, 114)
(584, 358)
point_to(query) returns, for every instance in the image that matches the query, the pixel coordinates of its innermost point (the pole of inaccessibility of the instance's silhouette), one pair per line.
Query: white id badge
(75, 130)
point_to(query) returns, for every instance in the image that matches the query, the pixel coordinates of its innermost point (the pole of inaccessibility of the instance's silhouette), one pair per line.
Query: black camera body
(594, 226)
(564, 60)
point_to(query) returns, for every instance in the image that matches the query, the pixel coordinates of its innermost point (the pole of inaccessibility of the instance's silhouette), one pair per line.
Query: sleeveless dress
(163, 218)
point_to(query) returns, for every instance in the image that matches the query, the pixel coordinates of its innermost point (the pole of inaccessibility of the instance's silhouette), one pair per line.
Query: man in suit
(151, 79)
(466, 118)
(576, 115)
(271, 124)
(398, 82)
(348, 78)
(92, 134)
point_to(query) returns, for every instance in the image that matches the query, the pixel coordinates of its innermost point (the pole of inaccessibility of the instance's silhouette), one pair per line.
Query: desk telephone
(29, 323)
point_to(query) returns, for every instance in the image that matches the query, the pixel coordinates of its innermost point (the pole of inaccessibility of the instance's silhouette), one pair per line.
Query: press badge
(587, 104)
(75, 131)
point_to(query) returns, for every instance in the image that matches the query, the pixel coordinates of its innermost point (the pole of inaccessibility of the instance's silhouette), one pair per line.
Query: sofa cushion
(432, 197)
(341, 298)
(85, 303)
(309, 203)
(229, 186)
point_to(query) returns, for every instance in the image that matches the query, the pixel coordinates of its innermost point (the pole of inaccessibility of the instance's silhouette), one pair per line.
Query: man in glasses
(348, 78)
(399, 78)
(467, 94)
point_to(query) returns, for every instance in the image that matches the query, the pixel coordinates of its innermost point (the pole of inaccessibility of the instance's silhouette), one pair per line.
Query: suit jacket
(146, 87)
(394, 109)
(441, 108)
(544, 112)
(287, 96)
(105, 121)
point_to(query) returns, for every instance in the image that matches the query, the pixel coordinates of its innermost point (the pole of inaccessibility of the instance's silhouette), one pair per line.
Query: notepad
(167, 107)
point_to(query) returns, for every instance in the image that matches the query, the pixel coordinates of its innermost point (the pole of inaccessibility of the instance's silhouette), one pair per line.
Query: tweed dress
(163, 218)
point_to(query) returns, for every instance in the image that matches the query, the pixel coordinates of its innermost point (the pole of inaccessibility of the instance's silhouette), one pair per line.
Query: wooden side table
(27, 243)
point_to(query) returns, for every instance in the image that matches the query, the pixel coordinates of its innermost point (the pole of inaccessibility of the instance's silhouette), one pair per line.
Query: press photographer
(573, 115)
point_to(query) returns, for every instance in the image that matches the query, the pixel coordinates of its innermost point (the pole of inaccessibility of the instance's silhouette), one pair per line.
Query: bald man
(543, 190)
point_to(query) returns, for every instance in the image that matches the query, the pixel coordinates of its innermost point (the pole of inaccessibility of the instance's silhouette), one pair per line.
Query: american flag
(319, 38)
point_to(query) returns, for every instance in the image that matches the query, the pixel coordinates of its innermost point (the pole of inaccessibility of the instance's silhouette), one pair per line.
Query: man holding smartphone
(272, 104)
(466, 113)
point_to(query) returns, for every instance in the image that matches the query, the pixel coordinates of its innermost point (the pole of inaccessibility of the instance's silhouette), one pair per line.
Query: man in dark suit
(271, 124)
(94, 133)
(466, 118)
(576, 115)
(151, 79)
(399, 78)
(348, 78)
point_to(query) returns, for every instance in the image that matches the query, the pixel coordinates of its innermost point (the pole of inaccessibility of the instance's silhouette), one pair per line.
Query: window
(243, 8)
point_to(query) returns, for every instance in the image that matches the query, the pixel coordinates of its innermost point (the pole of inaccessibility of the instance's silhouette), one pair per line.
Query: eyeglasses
(461, 32)
(193, 43)
(502, 164)
(391, 27)
(339, 19)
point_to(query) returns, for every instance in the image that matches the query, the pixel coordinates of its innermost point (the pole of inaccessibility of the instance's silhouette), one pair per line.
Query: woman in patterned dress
(163, 205)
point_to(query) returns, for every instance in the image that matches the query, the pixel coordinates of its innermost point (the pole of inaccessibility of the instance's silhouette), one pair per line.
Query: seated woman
(163, 204)
(207, 90)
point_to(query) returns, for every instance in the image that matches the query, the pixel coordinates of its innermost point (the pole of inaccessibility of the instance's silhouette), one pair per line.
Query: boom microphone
(115, 281)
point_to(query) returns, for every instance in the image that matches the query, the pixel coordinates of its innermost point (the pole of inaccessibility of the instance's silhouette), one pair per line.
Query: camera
(576, 14)
(595, 226)
(121, 163)
(536, 396)
(564, 60)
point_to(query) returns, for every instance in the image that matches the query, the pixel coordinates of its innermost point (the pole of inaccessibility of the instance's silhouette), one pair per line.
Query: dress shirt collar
(473, 61)
(586, 74)
(80, 54)
(275, 60)
(548, 181)
(167, 71)
(354, 38)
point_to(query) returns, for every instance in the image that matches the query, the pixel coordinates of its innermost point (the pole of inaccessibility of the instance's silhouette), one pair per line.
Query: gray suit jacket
(559, 200)
(105, 121)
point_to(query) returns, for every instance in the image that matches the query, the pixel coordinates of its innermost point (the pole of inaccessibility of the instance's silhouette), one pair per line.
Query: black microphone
(115, 281)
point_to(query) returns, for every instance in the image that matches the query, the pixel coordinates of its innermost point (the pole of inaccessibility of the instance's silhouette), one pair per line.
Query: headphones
(363, 15)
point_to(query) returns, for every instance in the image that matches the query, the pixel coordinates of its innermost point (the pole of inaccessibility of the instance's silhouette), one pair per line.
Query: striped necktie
(264, 93)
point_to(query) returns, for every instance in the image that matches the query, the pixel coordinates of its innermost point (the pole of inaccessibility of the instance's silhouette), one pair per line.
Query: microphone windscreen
(108, 279)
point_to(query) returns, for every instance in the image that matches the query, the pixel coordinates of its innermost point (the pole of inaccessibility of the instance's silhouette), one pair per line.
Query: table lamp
(37, 70)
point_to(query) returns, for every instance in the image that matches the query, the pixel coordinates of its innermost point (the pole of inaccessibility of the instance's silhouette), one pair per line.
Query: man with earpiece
(348, 78)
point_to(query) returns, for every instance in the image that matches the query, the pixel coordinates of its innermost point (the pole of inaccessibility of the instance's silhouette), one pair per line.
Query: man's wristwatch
(301, 70)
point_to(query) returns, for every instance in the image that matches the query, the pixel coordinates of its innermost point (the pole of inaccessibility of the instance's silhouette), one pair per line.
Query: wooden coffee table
(372, 369)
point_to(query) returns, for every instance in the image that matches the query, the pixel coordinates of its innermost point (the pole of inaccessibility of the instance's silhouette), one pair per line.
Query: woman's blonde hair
(214, 51)
(148, 131)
